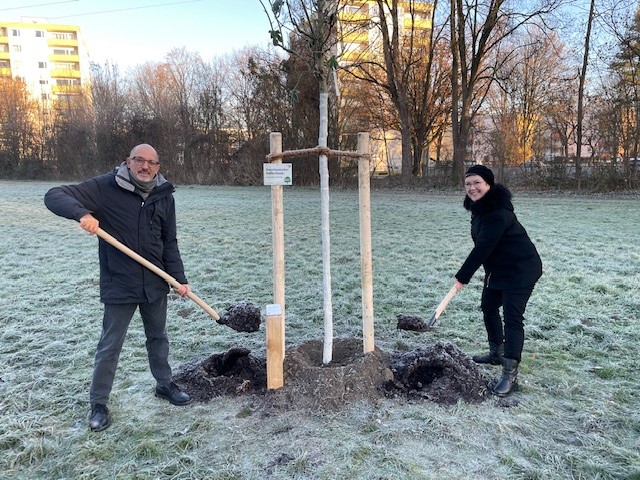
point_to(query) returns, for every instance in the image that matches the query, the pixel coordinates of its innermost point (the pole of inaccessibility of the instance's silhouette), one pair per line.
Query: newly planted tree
(313, 23)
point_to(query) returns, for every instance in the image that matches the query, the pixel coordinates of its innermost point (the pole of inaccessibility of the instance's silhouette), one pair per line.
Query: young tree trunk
(327, 352)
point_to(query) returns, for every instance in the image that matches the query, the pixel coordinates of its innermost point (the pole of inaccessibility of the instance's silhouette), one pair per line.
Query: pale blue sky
(145, 30)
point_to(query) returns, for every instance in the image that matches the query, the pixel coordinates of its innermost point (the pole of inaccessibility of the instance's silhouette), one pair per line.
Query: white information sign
(277, 173)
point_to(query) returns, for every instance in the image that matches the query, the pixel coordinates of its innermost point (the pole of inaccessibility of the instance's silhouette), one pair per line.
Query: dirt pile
(440, 373)
(231, 373)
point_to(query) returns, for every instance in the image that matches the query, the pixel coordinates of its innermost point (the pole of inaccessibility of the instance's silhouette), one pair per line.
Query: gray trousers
(115, 324)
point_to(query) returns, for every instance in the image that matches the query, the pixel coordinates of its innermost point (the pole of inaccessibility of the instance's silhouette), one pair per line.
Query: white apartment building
(51, 58)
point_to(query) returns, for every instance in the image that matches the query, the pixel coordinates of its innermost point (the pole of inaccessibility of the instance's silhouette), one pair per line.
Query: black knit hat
(484, 172)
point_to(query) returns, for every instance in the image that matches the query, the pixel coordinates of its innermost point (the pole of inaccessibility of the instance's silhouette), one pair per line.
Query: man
(135, 204)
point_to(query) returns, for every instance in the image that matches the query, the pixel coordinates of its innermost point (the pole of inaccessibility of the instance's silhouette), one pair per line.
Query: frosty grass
(577, 416)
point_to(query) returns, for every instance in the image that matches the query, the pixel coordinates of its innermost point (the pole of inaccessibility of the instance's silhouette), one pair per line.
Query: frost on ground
(440, 373)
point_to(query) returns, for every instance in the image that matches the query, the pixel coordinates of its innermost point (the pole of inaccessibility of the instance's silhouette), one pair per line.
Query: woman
(511, 264)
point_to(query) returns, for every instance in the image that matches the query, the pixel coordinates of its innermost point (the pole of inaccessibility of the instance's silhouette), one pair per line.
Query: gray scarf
(143, 188)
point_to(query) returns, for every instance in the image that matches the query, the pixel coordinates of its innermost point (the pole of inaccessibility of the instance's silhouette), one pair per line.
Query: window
(42, 64)
(64, 51)
(63, 35)
(40, 33)
(67, 81)
(44, 82)
(65, 66)
(15, 32)
(16, 48)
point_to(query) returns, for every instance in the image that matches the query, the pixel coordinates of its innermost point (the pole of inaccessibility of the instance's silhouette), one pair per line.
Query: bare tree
(110, 101)
(478, 32)
(411, 69)
(18, 119)
(523, 89)
(581, 87)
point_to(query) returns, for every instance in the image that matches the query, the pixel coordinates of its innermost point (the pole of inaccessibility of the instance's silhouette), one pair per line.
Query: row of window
(62, 81)
(44, 65)
(55, 51)
(16, 32)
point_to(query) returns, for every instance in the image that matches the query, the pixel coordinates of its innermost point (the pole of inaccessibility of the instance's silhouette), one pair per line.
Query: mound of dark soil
(230, 373)
(440, 373)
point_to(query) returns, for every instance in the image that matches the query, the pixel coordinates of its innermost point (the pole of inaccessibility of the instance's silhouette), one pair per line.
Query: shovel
(158, 271)
(440, 308)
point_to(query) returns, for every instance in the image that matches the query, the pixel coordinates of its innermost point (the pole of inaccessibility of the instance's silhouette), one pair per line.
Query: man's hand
(89, 223)
(183, 291)
(459, 286)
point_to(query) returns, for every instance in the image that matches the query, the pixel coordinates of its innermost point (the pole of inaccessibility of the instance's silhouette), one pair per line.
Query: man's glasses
(142, 161)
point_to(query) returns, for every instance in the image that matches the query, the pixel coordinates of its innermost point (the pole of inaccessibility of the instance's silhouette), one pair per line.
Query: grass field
(577, 415)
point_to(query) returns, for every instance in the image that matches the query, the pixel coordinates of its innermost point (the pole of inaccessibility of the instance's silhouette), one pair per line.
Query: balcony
(418, 24)
(64, 73)
(66, 89)
(64, 58)
(356, 37)
(62, 42)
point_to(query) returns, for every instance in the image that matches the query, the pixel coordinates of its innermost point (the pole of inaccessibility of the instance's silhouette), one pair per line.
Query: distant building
(52, 59)
(360, 41)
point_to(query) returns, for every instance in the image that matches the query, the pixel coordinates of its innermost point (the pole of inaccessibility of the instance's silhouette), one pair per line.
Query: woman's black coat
(501, 244)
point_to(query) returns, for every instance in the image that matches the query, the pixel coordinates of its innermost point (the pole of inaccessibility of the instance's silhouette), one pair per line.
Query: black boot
(509, 381)
(494, 357)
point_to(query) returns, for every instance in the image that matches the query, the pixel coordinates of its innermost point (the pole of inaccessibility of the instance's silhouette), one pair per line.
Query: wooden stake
(366, 264)
(275, 350)
(277, 212)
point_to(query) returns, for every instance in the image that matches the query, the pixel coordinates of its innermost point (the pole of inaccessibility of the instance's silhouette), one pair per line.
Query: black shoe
(99, 419)
(172, 393)
(509, 381)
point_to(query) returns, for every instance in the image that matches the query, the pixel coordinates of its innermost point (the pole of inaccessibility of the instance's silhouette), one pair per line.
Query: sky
(132, 32)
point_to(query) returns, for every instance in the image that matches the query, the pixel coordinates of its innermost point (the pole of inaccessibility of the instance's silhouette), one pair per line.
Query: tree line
(497, 82)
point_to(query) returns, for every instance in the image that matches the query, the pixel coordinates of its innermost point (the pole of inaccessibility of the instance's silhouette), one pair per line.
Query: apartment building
(360, 37)
(51, 58)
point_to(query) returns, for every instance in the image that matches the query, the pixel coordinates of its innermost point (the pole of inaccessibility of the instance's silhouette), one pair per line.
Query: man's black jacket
(148, 227)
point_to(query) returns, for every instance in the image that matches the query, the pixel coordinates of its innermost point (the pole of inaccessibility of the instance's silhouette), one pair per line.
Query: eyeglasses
(142, 161)
(475, 184)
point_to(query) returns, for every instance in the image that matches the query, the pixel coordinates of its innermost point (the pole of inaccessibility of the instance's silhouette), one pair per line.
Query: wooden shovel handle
(445, 301)
(440, 308)
(158, 271)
